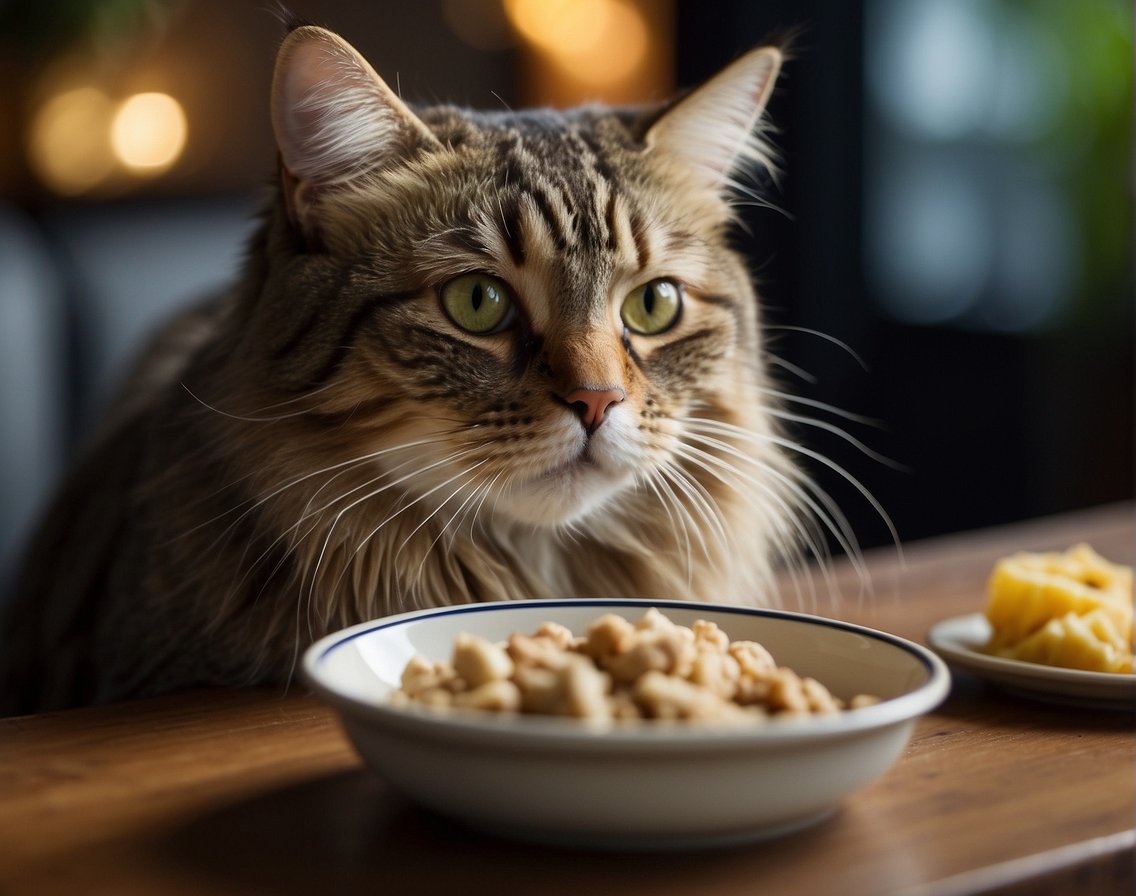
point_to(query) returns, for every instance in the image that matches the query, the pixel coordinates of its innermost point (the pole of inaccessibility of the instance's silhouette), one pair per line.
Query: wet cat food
(651, 669)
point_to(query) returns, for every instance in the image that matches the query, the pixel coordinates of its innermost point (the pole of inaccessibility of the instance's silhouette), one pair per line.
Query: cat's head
(534, 315)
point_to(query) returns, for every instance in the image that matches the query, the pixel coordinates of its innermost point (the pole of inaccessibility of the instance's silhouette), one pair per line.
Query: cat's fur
(322, 445)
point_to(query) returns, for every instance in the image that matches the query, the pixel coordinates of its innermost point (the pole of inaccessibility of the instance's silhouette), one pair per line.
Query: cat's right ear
(334, 119)
(716, 129)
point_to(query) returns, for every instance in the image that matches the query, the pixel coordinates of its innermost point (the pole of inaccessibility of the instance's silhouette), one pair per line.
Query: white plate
(636, 785)
(960, 640)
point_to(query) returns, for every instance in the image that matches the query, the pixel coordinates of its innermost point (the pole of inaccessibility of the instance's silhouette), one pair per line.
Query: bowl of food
(623, 724)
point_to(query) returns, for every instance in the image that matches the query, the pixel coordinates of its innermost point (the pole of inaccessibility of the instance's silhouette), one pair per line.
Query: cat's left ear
(334, 118)
(714, 129)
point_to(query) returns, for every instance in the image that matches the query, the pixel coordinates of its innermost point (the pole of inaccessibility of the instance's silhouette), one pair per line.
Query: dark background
(948, 281)
(991, 417)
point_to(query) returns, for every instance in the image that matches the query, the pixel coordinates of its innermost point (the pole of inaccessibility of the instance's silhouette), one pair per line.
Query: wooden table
(249, 792)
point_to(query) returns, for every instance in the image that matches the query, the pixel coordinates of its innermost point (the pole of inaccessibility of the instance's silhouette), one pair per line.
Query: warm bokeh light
(562, 27)
(592, 49)
(68, 146)
(149, 132)
(81, 140)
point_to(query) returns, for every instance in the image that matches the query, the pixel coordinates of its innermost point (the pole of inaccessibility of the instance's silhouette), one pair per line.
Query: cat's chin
(563, 495)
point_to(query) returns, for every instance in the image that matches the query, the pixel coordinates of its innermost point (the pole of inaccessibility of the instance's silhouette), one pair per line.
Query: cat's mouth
(567, 490)
(582, 464)
(592, 458)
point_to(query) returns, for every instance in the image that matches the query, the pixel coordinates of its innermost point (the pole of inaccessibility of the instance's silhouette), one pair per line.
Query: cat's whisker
(451, 458)
(471, 510)
(457, 517)
(712, 465)
(451, 525)
(308, 513)
(820, 334)
(461, 474)
(799, 372)
(283, 559)
(709, 512)
(392, 471)
(413, 474)
(250, 568)
(833, 519)
(571, 532)
(256, 418)
(401, 509)
(289, 532)
(662, 489)
(796, 527)
(699, 499)
(839, 432)
(795, 447)
(307, 510)
(719, 469)
(265, 498)
(790, 398)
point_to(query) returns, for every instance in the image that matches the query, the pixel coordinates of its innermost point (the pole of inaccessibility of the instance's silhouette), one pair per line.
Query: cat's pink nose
(592, 404)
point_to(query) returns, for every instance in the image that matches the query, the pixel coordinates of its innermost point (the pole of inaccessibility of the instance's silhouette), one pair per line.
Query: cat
(471, 356)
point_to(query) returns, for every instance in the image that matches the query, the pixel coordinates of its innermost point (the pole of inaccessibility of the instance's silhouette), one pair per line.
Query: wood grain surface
(254, 792)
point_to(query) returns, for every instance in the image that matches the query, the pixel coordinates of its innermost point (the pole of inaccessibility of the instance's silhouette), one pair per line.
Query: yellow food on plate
(1071, 609)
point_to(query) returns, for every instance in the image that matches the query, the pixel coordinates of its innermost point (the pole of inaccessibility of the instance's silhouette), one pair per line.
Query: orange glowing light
(593, 49)
(67, 145)
(148, 133)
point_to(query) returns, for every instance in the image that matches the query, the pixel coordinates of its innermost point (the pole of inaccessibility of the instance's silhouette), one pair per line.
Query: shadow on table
(972, 696)
(346, 832)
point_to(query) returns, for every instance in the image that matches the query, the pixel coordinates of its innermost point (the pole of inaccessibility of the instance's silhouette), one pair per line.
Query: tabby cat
(471, 356)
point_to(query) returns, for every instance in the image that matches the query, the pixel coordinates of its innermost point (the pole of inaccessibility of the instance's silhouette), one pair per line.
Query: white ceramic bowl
(630, 785)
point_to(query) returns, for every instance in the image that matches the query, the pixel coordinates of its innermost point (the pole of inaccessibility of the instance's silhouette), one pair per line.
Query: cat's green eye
(653, 307)
(477, 303)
